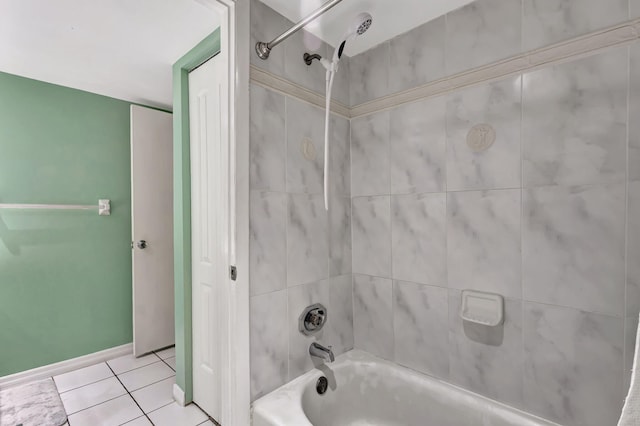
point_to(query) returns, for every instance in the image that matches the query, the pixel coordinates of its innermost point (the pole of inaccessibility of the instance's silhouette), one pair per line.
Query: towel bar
(103, 207)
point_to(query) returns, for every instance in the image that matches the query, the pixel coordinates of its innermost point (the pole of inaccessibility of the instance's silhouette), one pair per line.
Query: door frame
(232, 36)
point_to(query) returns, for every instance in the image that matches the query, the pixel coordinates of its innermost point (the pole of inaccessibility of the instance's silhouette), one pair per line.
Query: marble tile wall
(540, 217)
(477, 34)
(299, 253)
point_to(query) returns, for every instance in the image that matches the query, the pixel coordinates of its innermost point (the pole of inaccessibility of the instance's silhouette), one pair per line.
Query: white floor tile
(167, 353)
(155, 396)
(172, 362)
(82, 377)
(140, 421)
(110, 413)
(173, 415)
(90, 395)
(207, 423)
(129, 362)
(144, 376)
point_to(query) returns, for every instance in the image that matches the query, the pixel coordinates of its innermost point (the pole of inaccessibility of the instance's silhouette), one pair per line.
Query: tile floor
(127, 391)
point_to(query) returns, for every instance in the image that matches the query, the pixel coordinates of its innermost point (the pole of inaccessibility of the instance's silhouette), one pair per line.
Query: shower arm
(263, 49)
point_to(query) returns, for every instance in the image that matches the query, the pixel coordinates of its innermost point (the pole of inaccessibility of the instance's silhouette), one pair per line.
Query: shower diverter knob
(312, 319)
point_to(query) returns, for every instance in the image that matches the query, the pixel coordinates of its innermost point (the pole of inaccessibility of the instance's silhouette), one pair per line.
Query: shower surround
(299, 254)
(547, 216)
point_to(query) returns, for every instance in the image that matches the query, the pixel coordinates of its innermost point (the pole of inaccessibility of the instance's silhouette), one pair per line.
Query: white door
(152, 229)
(209, 139)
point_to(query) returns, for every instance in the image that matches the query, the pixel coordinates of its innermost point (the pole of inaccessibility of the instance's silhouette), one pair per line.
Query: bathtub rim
(276, 406)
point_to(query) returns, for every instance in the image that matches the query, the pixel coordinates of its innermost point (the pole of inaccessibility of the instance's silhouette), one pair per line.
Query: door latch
(233, 273)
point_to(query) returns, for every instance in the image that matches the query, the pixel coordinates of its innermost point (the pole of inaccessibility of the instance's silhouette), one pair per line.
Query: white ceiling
(118, 48)
(390, 18)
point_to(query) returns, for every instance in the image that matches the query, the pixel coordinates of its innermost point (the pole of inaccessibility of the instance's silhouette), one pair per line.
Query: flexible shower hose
(329, 85)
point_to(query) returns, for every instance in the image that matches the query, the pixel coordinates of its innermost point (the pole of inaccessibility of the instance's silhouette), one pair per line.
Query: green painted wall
(65, 277)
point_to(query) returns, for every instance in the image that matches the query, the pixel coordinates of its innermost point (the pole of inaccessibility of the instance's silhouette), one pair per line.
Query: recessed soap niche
(482, 308)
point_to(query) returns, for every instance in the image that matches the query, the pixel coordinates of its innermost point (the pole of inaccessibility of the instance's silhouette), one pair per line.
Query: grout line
(535, 187)
(286, 231)
(522, 301)
(515, 299)
(94, 405)
(522, 16)
(136, 368)
(131, 396)
(80, 387)
(174, 370)
(626, 224)
(60, 397)
(208, 416)
(161, 407)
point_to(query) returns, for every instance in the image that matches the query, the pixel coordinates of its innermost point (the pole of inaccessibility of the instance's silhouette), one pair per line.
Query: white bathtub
(365, 390)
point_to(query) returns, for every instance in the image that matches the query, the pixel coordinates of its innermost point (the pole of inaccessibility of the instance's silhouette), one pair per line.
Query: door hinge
(233, 273)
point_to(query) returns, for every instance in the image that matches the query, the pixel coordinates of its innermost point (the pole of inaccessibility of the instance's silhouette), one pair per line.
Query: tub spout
(319, 351)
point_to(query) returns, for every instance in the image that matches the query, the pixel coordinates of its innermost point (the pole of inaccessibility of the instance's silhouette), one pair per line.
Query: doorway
(197, 328)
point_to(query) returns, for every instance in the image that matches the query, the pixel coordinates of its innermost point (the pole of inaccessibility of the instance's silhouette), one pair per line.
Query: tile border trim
(565, 51)
(271, 81)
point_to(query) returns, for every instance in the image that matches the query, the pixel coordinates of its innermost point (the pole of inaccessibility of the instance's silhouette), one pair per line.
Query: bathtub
(365, 390)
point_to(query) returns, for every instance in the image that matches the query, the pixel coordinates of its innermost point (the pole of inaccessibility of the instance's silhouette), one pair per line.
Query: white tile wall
(574, 129)
(417, 57)
(418, 147)
(420, 325)
(371, 228)
(418, 238)
(548, 21)
(487, 360)
(373, 315)
(573, 361)
(307, 240)
(482, 32)
(305, 124)
(269, 342)
(267, 139)
(483, 241)
(496, 104)
(295, 244)
(369, 75)
(370, 155)
(538, 217)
